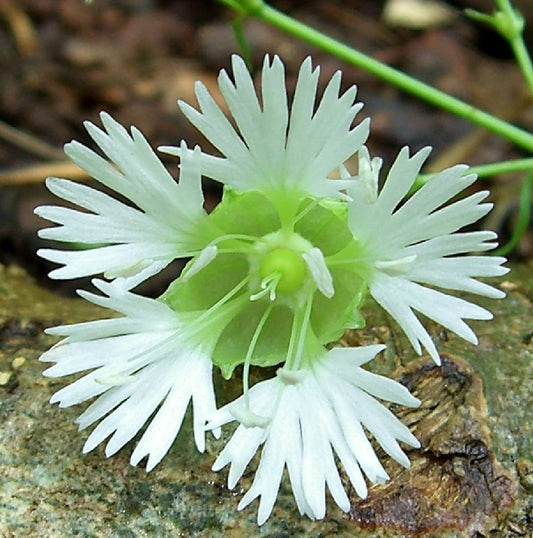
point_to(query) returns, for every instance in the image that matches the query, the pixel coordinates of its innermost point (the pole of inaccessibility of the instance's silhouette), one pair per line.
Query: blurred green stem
(515, 36)
(524, 213)
(241, 40)
(502, 167)
(485, 170)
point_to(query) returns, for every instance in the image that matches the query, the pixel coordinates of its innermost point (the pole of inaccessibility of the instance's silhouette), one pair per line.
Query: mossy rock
(472, 477)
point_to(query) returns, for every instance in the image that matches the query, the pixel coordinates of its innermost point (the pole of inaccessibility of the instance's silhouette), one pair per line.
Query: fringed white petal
(272, 149)
(144, 369)
(417, 242)
(320, 415)
(163, 222)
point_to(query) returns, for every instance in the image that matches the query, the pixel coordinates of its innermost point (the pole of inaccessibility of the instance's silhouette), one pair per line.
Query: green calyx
(259, 301)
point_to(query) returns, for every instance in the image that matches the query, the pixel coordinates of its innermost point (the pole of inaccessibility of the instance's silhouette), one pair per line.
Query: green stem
(502, 167)
(524, 213)
(516, 40)
(485, 170)
(388, 74)
(524, 60)
(241, 40)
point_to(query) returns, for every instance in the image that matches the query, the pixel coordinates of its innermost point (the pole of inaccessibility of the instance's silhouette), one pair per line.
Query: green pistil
(269, 286)
(286, 263)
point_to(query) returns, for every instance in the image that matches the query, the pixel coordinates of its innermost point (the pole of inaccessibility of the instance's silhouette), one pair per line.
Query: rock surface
(473, 476)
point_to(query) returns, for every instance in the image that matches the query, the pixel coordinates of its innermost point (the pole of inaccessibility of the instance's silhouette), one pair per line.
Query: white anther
(291, 377)
(115, 380)
(368, 176)
(319, 271)
(248, 418)
(396, 267)
(206, 256)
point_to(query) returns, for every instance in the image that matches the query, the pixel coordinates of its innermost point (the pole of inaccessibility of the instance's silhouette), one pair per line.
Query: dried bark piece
(454, 482)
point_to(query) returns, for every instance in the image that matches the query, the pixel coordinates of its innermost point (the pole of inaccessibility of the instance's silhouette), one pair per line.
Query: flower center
(278, 267)
(286, 263)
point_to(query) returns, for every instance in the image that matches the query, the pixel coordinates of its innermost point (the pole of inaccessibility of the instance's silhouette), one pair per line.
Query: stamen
(248, 418)
(115, 380)
(319, 271)
(303, 331)
(293, 337)
(206, 256)
(268, 286)
(306, 210)
(291, 377)
(396, 267)
(368, 175)
(242, 237)
(249, 353)
(224, 299)
(300, 325)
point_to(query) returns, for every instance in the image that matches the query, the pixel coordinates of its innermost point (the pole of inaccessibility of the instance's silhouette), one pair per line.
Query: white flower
(307, 416)
(416, 242)
(276, 150)
(133, 242)
(144, 368)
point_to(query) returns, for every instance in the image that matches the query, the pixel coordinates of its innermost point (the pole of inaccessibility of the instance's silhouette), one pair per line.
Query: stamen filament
(303, 331)
(306, 210)
(227, 310)
(299, 329)
(242, 237)
(249, 353)
(224, 299)
(292, 338)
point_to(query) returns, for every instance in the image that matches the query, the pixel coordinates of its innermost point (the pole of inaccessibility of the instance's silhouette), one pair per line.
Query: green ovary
(288, 265)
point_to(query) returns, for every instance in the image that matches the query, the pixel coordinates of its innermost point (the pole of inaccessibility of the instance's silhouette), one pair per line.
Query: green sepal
(330, 317)
(271, 348)
(248, 213)
(208, 286)
(325, 227)
(336, 206)
(354, 319)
